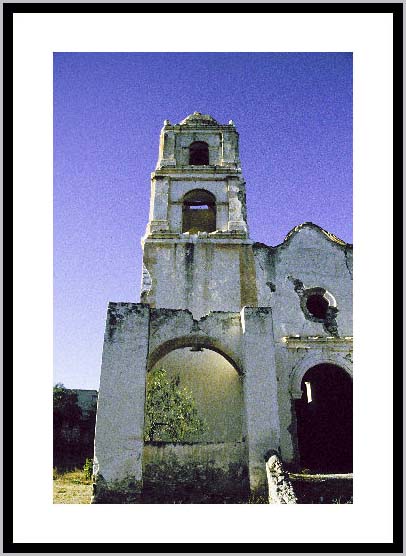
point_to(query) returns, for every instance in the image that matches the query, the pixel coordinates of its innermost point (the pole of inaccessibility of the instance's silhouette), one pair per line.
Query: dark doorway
(324, 420)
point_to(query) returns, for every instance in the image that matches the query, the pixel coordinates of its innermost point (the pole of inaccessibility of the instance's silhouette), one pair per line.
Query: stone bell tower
(197, 254)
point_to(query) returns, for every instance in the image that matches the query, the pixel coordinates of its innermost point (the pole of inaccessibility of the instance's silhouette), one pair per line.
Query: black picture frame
(9, 9)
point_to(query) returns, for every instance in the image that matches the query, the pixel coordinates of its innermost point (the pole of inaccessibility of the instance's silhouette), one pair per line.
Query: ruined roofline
(199, 120)
(330, 236)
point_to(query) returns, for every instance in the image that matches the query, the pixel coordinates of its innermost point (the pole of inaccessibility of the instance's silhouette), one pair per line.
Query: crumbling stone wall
(309, 258)
(171, 329)
(195, 473)
(136, 338)
(120, 412)
(280, 490)
(199, 273)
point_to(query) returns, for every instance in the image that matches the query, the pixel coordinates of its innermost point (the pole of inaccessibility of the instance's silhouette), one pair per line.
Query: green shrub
(88, 468)
(170, 410)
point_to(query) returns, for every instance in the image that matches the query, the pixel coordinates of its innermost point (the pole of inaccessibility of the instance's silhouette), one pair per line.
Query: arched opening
(324, 420)
(198, 212)
(207, 464)
(199, 154)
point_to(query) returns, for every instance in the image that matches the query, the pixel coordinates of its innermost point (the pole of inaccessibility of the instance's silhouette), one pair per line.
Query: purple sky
(294, 115)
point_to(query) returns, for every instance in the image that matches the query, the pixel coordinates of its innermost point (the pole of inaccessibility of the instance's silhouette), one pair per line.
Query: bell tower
(197, 253)
(198, 155)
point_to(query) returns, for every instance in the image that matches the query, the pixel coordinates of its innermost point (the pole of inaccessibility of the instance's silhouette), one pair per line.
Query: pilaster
(120, 411)
(260, 392)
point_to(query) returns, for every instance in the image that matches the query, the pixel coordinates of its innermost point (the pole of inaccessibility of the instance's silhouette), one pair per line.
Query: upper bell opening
(199, 154)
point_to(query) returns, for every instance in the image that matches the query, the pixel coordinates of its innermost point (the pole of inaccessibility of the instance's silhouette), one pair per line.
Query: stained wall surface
(200, 274)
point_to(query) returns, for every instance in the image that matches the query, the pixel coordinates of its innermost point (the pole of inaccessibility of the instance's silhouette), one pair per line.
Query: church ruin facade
(261, 335)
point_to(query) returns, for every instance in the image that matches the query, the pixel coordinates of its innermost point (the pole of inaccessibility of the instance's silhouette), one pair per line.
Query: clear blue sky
(294, 115)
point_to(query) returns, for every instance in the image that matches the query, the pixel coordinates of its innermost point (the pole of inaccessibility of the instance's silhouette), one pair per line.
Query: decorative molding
(320, 342)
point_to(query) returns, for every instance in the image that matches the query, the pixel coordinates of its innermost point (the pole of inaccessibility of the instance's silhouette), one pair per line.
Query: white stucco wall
(199, 274)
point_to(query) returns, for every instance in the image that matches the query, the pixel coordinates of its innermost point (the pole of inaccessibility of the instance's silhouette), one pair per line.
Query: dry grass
(72, 487)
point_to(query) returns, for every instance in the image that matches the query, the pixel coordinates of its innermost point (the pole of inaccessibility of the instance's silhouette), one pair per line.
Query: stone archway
(196, 341)
(311, 360)
(212, 466)
(137, 337)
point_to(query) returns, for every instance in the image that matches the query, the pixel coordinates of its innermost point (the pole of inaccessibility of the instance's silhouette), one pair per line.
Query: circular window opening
(317, 306)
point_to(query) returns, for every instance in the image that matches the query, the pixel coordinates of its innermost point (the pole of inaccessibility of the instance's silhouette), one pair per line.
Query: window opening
(318, 305)
(199, 154)
(198, 212)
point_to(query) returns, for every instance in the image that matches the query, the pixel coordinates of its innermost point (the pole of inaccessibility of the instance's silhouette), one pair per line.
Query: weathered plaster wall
(120, 410)
(201, 275)
(171, 329)
(260, 391)
(309, 257)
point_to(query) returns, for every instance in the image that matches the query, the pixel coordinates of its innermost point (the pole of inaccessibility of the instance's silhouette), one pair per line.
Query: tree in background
(170, 411)
(67, 416)
(66, 407)
(73, 430)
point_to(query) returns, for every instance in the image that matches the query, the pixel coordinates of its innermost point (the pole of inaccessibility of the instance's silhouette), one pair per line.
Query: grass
(256, 499)
(71, 487)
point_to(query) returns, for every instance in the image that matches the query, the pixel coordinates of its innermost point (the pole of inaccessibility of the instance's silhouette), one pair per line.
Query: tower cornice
(186, 172)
